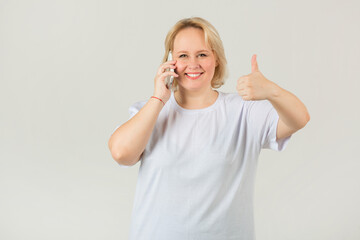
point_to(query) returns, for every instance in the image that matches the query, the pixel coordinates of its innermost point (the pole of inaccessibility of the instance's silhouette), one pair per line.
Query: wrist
(158, 99)
(275, 91)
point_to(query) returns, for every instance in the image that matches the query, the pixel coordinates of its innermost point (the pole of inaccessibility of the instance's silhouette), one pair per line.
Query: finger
(241, 90)
(254, 65)
(167, 64)
(241, 80)
(244, 78)
(163, 67)
(244, 94)
(243, 84)
(166, 74)
(172, 62)
(246, 97)
(240, 85)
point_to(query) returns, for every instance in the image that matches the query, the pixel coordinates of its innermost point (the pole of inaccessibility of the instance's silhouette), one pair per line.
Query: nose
(193, 63)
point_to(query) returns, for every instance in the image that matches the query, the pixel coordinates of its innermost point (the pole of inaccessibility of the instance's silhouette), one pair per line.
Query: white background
(69, 70)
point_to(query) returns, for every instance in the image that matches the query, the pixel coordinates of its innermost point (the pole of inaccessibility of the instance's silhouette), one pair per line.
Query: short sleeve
(133, 109)
(263, 119)
(270, 141)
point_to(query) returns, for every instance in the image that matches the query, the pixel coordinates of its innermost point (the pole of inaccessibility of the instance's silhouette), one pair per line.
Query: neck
(195, 100)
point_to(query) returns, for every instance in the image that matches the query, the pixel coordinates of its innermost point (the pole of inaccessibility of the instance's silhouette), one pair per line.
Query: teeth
(193, 75)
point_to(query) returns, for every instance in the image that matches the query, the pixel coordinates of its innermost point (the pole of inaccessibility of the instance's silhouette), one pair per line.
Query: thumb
(254, 65)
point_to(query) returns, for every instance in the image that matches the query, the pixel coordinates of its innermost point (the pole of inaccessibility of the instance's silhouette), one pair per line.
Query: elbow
(307, 116)
(120, 156)
(115, 153)
(305, 120)
(301, 123)
(116, 156)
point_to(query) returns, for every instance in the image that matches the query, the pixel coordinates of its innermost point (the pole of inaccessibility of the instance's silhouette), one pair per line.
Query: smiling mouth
(193, 76)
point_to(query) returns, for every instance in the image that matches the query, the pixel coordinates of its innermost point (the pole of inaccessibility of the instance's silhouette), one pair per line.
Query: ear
(216, 58)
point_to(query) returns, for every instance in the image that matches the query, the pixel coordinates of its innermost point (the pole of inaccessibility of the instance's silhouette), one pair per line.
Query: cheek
(209, 66)
(207, 62)
(180, 67)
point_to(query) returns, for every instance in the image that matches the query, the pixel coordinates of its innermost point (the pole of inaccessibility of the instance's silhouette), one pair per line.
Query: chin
(193, 85)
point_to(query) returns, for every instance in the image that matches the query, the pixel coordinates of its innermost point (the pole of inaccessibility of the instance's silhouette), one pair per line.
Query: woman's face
(196, 62)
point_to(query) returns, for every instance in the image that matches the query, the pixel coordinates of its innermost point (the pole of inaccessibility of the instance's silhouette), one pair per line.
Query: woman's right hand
(161, 91)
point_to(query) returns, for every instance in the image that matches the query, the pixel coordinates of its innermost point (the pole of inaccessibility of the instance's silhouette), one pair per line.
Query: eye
(202, 55)
(182, 55)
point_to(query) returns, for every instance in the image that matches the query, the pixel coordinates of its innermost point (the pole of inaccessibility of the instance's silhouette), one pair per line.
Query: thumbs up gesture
(254, 86)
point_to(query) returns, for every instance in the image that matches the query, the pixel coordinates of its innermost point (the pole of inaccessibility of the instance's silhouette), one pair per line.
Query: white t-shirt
(197, 173)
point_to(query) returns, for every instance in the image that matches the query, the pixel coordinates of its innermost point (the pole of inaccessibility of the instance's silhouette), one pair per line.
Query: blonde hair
(212, 39)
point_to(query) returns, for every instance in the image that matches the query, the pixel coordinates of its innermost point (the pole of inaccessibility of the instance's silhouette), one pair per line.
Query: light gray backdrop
(69, 70)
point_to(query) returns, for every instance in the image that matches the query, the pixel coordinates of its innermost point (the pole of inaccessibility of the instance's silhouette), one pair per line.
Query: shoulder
(234, 99)
(138, 105)
(135, 107)
(231, 97)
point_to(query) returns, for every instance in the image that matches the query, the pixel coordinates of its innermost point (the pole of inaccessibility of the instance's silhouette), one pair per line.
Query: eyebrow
(183, 51)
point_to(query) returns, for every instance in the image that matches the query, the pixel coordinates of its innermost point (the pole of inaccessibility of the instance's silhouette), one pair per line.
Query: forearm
(291, 110)
(129, 141)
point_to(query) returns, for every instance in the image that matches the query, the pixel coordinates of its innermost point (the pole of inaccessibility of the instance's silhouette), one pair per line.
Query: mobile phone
(170, 79)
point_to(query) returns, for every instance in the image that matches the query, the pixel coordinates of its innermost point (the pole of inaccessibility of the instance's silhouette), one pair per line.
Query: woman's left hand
(255, 86)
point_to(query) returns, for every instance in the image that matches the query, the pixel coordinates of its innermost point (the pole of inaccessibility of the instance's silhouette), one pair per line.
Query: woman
(199, 147)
